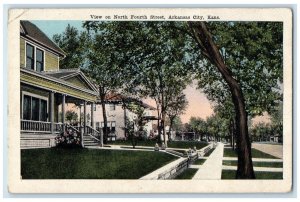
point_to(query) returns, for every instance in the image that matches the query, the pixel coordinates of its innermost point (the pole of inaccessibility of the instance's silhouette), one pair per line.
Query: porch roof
(45, 81)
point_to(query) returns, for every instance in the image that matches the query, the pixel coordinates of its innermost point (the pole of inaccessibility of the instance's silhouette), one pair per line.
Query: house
(117, 115)
(45, 89)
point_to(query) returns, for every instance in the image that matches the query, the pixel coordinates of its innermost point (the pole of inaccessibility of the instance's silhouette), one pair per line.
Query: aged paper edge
(17, 185)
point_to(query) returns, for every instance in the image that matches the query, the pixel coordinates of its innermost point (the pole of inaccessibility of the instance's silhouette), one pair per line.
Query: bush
(69, 139)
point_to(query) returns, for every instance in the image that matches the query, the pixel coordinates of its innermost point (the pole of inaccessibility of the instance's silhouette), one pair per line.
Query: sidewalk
(212, 167)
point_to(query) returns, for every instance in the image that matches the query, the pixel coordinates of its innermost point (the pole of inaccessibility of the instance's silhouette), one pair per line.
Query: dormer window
(34, 58)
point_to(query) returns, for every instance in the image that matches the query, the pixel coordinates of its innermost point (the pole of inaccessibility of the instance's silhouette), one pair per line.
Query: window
(39, 60)
(29, 56)
(34, 58)
(95, 107)
(112, 107)
(34, 108)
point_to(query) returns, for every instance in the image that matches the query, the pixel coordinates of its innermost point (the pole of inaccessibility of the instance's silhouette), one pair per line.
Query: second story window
(39, 60)
(34, 58)
(29, 56)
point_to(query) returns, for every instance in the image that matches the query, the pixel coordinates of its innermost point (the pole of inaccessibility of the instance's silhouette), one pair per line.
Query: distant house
(117, 115)
(45, 88)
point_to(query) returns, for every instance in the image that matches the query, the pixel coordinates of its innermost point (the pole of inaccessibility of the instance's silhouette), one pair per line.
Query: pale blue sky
(51, 27)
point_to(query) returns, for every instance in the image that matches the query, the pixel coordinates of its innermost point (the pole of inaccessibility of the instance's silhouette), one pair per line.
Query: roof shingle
(34, 32)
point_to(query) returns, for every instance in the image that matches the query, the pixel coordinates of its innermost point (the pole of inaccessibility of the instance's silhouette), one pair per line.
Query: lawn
(199, 161)
(58, 163)
(187, 144)
(173, 144)
(187, 174)
(230, 175)
(256, 164)
(228, 152)
(209, 152)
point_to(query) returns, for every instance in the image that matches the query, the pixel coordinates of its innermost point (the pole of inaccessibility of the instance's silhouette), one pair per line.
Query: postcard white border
(17, 185)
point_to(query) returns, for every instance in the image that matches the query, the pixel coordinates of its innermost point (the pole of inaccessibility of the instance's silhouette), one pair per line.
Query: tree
(135, 128)
(177, 106)
(71, 116)
(103, 67)
(199, 126)
(72, 43)
(246, 54)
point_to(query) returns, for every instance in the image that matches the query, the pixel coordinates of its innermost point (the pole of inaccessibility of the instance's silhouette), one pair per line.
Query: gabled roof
(66, 74)
(118, 98)
(31, 31)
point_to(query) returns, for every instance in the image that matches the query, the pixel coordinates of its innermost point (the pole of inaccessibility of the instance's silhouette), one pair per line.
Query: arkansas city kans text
(155, 17)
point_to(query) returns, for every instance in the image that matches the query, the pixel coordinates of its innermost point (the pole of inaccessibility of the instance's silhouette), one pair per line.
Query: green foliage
(72, 42)
(71, 116)
(253, 52)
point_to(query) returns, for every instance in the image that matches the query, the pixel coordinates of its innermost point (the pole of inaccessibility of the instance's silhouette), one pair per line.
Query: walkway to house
(272, 149)
(212, 167)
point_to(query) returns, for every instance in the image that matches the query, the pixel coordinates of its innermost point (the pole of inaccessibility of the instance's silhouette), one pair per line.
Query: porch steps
(89, 141)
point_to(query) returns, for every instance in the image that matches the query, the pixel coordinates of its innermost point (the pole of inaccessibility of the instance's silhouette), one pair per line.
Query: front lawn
(199, 161)
(228, 152)
(187, 174)
(59, 163)
(173, 144)
(187, 144)
(230, 175)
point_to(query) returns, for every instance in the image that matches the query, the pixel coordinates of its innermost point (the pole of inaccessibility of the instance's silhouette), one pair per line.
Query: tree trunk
(171, 126)
(102, 98)
(211, 52)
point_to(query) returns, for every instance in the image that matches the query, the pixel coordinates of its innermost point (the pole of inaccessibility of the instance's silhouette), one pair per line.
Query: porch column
(84, 117)
(63, 111)
(51, 113)
(92, 115)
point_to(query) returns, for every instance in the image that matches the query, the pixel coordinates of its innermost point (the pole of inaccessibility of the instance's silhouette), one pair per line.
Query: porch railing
(40, 126)
(35, 126)
(95, 134)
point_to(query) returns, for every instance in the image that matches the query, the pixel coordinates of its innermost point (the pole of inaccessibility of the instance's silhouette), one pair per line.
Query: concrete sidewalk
(212, 167)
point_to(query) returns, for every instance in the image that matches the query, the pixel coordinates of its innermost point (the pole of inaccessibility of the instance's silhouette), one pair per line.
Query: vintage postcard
(160, 100)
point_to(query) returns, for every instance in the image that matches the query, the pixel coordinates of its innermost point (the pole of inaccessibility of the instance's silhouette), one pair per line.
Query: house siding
(22, 52)
(78, 82)
(51, 61)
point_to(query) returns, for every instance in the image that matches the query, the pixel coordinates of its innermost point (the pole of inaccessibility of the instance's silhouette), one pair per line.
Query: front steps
(89, 141)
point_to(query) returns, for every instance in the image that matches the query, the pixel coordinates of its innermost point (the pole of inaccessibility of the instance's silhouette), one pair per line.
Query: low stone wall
(204, 150)
(172, 169)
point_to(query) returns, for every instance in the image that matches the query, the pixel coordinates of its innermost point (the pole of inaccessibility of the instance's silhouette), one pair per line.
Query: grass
(228, 152)
(127, 147)
(199, 161)
(257, 164)
(230, 175)
(187, 174)
(173, 144)
(59, 163)
(209, 152)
